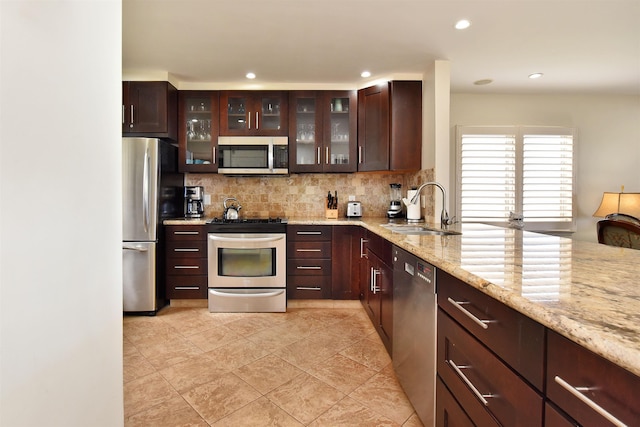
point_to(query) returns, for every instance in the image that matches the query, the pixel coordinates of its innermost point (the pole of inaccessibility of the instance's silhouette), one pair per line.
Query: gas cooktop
(247, 225)
(248, 221)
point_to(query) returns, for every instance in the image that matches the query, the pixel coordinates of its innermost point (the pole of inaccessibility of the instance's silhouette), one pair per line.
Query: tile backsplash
(303, 195)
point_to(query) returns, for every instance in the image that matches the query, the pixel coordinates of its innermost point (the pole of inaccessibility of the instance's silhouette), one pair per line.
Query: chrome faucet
(444, 216)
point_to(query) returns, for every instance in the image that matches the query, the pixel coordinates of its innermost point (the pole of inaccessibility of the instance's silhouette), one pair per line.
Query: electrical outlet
(207, 199)
(352, 198)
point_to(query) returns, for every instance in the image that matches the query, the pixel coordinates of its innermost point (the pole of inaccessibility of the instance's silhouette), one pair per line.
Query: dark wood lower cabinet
(586, 386)
(186, 261)
(449, 413)
(345, 268)
(485, 387)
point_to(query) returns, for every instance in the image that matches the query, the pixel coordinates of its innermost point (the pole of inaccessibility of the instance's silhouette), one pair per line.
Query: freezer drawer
(139, 277)
(228, 300)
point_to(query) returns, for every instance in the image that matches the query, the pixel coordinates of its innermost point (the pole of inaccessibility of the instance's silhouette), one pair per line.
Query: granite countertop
(585, 291)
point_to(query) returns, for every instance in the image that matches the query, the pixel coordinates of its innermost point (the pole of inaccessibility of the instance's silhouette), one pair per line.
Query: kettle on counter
(233, 210)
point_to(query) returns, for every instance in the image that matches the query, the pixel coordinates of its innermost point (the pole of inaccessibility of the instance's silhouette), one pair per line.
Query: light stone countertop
(588, 292)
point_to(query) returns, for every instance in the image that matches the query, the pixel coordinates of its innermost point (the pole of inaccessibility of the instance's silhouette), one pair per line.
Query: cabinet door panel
(615, 390)
(198, 118)
(187, 287)
(474, 374)
(346, 268)
(186, 266)
(308, 233)
(373, 128)
(448, 411)
(186, 248)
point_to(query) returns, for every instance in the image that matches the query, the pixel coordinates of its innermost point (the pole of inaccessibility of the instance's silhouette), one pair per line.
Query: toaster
(354, 210)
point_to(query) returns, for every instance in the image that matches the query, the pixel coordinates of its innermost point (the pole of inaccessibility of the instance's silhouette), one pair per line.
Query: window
(527, 171)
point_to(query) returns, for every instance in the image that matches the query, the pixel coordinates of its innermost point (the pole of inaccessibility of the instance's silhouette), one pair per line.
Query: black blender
(395, 204)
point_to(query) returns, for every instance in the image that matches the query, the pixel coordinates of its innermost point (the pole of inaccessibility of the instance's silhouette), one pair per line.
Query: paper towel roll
(414, 212)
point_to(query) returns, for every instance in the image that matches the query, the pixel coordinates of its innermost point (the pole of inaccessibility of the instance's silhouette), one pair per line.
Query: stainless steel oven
(247, 266)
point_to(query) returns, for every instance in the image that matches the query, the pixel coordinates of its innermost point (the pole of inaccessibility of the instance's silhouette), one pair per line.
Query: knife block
(331, 213)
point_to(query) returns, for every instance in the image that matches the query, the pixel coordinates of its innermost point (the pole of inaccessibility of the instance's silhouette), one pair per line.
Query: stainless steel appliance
(253, 155)
(193, 201)
(354, 210)
(247, 265)
(414, 331)
(395, 202)
(152, 190)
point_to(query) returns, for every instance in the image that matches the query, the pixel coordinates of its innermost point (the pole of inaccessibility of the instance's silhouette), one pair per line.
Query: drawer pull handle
(308, 250)
(308, 288)
(186, 250)
(590, 403)
(302, 267)
(186, 233)
(474, 389)
(457, 304)
(309, 233)
(193, 267)
(187, 288)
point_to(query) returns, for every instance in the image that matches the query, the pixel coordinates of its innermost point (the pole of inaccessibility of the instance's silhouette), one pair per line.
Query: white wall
(60, 264)
(608, 150)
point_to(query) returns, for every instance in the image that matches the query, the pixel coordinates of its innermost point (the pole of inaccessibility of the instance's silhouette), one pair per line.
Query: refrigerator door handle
(135, 248)
(145, 189)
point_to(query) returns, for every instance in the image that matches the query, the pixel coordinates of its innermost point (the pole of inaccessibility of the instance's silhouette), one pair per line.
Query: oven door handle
(233, 295)
(245, 239)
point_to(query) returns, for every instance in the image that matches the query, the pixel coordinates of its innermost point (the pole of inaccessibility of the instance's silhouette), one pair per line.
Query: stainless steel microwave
(253, 155)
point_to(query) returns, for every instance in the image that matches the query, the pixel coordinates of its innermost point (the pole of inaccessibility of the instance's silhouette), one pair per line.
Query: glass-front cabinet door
(253, 113)
(198, 127)
(340, 131)
(305, 131)
(324, 125)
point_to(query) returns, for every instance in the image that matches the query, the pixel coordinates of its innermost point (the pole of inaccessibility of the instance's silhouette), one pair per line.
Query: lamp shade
(614, 203)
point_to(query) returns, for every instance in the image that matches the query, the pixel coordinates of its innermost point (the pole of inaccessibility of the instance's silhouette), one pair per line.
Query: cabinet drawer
(186, 232)
(187, 287)
(448, 411)
(186, 266)
(379, 246)
(484, 386)
(296, 250)
(309, 267)
(308, 232)
(515, 338)
(602, 383)
(553, 417)
(309, 287)
(187, 248)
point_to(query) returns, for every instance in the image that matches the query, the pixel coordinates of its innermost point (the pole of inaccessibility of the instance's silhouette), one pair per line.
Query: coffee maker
(395, 204)
(193, 205)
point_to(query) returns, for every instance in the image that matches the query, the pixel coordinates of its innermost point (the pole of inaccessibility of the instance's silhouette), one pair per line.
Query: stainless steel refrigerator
(152, 191)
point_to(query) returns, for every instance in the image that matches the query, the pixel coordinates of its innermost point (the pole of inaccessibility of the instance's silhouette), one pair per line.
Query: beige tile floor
(307, 367)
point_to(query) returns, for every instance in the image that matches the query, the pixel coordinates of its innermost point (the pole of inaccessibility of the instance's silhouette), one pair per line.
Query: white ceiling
(581, 46)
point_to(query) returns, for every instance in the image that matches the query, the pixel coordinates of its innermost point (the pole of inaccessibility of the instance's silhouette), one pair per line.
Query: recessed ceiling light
(365, 74)
(251, 75)
(463, 24)
(483, 82)
(535, 75)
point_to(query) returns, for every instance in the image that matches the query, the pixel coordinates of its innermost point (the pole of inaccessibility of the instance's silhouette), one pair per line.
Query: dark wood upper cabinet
(390, 127)
(198, 131)
(322, 131)
(149, 109)
(244, 113)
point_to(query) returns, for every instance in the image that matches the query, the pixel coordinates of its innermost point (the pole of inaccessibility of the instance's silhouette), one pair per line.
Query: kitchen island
(585, 291)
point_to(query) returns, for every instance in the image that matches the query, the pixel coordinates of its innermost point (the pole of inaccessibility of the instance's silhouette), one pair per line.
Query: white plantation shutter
(525, 170)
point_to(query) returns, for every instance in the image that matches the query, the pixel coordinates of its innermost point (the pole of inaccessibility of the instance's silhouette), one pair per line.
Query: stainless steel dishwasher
(414, 331)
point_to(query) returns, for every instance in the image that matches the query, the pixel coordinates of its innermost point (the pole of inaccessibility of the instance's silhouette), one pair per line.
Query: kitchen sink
(415, 229)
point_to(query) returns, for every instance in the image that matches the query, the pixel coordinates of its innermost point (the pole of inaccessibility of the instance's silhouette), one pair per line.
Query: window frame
(518, 132)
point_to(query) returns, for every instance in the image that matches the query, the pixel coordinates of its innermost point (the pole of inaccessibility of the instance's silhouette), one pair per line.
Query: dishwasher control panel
(425, 271)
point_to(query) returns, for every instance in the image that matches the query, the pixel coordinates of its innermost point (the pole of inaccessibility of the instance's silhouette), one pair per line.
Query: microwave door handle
(270, 154)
